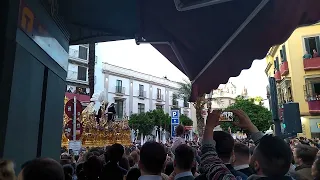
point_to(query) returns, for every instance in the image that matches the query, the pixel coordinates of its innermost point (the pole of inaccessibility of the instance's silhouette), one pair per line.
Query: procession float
(93, 128)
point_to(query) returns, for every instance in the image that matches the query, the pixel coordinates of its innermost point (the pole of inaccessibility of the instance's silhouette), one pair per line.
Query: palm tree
(199, 104)
(91, 66)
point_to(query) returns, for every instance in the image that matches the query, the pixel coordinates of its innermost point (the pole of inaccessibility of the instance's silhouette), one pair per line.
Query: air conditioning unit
(185, 5)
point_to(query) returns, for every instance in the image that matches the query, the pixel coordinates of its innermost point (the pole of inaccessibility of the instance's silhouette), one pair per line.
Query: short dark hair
(224, 144)
(241, 149)
(114, 153)
(180, 130)
(42, 168)
(306, 153)
(184, 157)
(152, 157)
(274, 156)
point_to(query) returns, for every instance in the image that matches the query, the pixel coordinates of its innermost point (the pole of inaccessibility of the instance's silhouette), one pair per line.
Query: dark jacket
(112, 171)
(304, 171)
(237, 174)
(186, 178)
(247, 171)
(256, 177)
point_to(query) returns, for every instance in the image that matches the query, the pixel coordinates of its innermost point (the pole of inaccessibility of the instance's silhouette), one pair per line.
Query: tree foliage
(145, 122)
(259, 115)
(185, 120)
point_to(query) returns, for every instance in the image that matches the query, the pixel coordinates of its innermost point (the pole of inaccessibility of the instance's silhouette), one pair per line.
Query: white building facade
(135, 92)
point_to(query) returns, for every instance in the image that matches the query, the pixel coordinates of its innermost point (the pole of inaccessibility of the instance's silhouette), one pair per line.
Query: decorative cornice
(110, 72)
(268, 68)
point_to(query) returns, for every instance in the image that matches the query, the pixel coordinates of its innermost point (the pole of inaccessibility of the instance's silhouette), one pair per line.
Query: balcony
(72, 76)
(314, 106)
(74, 56)
(311, 64)
(159, 97)
(119, 90)
(284, 69)
(142, 94)
(277, 76)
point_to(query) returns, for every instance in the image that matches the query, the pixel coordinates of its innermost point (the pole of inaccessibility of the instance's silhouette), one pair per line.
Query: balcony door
(141, 90)
(119, 86)
(83, 52)
(312, 43)
(119, 108)
(158, 93)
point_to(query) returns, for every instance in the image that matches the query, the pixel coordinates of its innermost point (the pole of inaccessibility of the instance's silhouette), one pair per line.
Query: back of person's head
(180, 130)
(68, 172)
(152, 158)
(224, 144)
(272, 157)
(42, 168)
(133, 174)
(304, 154)
(93, 167)
(7, 170)
(242, 153)
(169, 168)
(115, 153)
(184, 157)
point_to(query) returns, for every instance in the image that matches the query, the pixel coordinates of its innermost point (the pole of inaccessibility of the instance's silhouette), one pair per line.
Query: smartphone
(226, 117)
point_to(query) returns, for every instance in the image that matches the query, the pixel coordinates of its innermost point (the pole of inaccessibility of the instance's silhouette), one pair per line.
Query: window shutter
(306, 42)
(284, 53)
(277, 63)
(318, 43)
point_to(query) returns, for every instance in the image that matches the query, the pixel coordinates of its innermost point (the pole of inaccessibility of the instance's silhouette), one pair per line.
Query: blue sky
(144, 58)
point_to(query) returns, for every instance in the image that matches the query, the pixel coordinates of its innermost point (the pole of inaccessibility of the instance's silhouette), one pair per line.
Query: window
(174, 100)
(119, 86)
(119, 108)
(158, 93)
(82, 73)
(283, 54)
(312, 43)
(141, 90)
(140, 108)
(185, 102)
(83, 52)
(159, 107)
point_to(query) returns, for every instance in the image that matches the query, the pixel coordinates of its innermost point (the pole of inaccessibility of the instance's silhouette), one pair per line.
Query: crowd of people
(218, 157)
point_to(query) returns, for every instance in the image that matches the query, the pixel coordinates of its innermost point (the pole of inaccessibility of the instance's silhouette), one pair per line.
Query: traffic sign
(175, 114)
(173, 130)
(68, 130)
(68, 108)
(174, 121)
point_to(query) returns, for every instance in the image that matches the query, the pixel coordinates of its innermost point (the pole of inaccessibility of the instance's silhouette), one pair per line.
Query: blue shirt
(150, 177)
(183, 174)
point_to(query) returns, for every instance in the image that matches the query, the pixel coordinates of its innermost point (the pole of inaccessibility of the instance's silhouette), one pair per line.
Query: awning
(209, 44)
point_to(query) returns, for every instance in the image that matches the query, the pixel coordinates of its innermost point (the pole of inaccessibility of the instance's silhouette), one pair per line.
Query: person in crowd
(179, 139)
(112, 170)
(7, 170)
(315, 170)
(136, 157)
(183, 162)
(307, 55)
(169, 168)
(152, 161)
(133, 174)
(92, 168)
(315, 53)
(304, 156)
(212, 166)
(68, 172)
(225, 149)
(80, 172)
(131, 162)
(271, 158)
(41, 168)
(124, 163)
(242, 158)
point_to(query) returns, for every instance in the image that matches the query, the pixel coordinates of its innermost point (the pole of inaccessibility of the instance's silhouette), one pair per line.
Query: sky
(144, 58)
